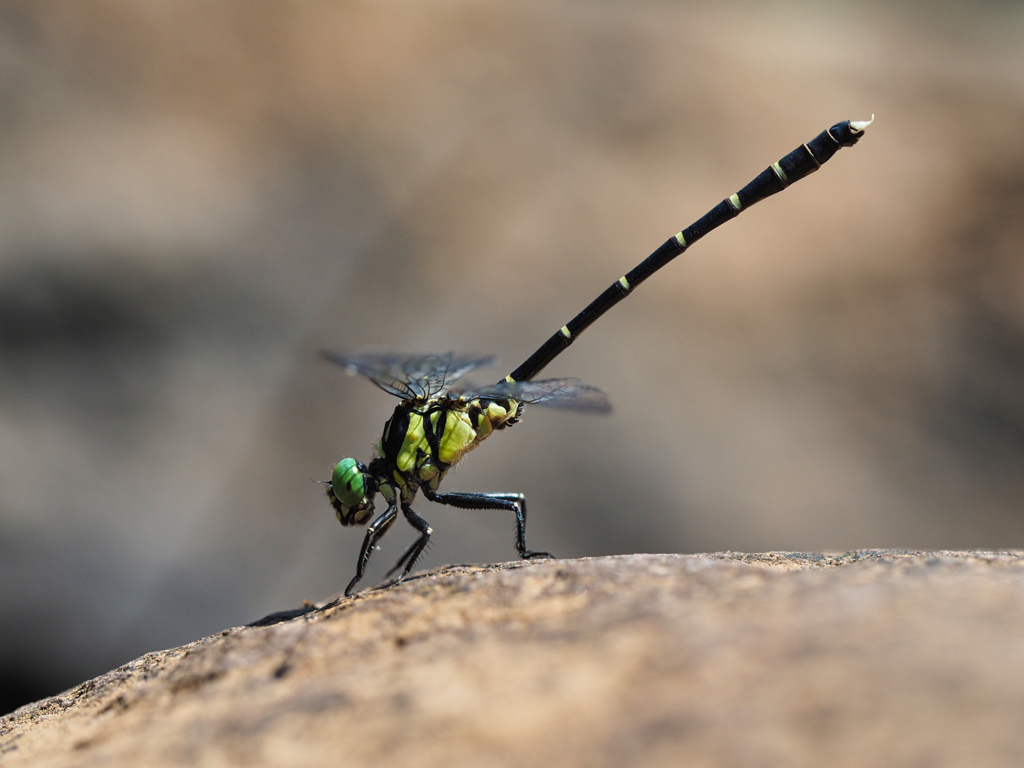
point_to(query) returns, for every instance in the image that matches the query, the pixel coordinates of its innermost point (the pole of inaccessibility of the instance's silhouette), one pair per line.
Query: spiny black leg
(413, 553)
(513, 502)
(405, 556)
(377, 529)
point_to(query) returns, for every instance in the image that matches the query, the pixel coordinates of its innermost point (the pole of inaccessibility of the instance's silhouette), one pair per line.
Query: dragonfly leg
(512, 502)
(412, 554)
(404, 558)
(377, 529)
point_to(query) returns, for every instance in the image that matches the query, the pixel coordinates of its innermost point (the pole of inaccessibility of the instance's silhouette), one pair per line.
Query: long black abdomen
(802, 161)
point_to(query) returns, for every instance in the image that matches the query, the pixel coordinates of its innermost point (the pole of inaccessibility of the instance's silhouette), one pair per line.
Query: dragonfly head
(351, 491)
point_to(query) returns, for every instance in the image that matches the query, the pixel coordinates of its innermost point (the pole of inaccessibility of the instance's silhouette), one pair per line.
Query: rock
(867, 658)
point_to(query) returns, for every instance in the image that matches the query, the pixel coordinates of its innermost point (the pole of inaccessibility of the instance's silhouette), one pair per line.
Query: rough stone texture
(867, 658)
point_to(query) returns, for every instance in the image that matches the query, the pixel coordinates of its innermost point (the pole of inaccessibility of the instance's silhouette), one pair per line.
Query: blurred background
(195, 198)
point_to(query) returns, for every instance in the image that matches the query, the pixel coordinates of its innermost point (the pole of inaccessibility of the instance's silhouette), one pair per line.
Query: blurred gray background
(195, 198)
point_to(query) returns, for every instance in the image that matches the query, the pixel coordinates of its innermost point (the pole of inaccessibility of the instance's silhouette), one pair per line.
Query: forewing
(571, 394)
(382, 370)
(410, 377)
(441, 371)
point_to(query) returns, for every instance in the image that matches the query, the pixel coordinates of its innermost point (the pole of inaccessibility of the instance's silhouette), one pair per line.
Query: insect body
(437, 422)
(433, 427)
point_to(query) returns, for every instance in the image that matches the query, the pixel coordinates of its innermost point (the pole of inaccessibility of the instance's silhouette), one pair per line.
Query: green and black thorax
(423, 440)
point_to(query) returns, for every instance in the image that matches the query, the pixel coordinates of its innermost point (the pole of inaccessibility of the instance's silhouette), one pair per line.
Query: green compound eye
(347, 482)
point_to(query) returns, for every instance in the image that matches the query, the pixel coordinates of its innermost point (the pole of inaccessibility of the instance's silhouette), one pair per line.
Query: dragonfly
(439, 420)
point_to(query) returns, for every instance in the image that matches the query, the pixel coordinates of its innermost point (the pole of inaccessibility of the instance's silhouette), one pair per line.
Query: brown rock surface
(867, 658)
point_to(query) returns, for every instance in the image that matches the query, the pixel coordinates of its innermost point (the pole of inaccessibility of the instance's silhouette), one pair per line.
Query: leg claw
(528, 555)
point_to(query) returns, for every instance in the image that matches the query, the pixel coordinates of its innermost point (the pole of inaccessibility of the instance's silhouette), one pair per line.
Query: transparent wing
(411, 377)
(555, 393)
(448, 369)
